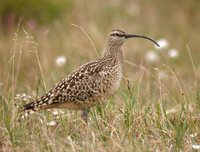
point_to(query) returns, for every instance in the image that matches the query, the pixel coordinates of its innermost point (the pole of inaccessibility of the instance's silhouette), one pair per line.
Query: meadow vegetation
(157, 107)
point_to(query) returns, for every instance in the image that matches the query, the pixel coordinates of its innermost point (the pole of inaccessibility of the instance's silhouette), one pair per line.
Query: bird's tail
(34, 106)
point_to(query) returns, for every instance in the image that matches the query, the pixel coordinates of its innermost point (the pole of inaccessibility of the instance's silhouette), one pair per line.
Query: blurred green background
(43, 41)
(49, 23)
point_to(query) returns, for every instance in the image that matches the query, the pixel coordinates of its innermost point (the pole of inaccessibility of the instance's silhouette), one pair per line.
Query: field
(157, 107)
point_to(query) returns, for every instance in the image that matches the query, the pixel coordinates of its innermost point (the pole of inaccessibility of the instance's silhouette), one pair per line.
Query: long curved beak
(127, 36)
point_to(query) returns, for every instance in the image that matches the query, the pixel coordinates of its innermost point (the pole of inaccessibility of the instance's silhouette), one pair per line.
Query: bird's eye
(116, 34)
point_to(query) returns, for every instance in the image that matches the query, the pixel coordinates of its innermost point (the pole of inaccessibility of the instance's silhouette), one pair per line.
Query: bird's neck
(114, 54)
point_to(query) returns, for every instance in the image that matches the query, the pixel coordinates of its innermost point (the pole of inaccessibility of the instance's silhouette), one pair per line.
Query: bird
(91, 83)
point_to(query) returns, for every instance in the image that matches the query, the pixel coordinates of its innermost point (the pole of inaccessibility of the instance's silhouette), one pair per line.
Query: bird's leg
(85, 114)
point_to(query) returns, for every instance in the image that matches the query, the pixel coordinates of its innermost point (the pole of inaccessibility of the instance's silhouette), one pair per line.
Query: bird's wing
(79, 86)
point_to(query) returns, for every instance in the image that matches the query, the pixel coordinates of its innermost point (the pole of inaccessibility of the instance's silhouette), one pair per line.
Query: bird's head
(118, 37)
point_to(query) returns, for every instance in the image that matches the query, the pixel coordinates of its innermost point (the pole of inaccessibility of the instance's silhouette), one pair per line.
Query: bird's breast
(116, 76)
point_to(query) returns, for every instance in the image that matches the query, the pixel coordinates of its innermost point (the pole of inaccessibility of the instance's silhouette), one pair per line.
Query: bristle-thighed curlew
(91, 83)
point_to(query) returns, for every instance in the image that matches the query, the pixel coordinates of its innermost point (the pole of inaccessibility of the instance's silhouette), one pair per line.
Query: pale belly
(115, 85)
(115, 82)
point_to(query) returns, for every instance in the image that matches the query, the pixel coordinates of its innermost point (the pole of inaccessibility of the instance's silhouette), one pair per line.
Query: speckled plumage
(90, 84)
(84, 87)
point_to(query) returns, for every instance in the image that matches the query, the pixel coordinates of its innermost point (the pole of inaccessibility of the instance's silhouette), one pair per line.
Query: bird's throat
(115, 55)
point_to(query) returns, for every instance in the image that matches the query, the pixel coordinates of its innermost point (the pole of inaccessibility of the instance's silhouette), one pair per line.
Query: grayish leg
(85, 114)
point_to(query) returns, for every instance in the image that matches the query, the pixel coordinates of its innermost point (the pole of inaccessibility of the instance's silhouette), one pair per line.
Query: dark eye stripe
(116, 34)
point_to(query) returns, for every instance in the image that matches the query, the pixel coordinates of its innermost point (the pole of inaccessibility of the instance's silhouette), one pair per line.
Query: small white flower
(193, 135)
(29, 97)
(195, 146)
(151, 56)
(163, 44)
(173, 53)
(22, 96)
(162, 74)
(18, 95)
(24, 99)
(60, 60)
(55, 112)
(61, 112)
(51, 123)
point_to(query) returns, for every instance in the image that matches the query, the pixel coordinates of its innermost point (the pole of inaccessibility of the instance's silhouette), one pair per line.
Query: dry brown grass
(149, 113)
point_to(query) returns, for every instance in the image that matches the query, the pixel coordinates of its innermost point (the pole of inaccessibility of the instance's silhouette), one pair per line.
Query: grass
(148, 113)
